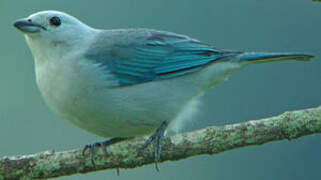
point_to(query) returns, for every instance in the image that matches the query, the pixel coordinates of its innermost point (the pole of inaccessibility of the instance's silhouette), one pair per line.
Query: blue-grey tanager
(126, 82)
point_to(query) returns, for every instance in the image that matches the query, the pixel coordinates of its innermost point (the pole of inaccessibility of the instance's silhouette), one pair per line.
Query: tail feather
(257, 57)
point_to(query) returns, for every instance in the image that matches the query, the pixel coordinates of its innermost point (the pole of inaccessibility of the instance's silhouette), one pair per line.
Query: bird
(124, 83)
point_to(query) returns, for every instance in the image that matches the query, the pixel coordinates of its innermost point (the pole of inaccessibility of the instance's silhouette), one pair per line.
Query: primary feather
(149, 55)
(141, 55)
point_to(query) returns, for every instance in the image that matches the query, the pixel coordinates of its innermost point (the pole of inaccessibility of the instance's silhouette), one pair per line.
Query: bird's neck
(44, 50)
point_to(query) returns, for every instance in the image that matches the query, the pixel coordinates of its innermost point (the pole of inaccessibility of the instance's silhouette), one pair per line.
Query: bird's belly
(108, 112)
(81, 98)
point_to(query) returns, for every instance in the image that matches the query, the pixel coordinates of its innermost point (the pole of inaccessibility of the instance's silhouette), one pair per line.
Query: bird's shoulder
(139, 36)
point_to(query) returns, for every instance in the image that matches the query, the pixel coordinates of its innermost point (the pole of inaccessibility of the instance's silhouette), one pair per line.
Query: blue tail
(257, 57)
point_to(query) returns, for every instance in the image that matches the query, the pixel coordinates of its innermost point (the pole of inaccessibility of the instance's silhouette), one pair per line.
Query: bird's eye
(55, 21)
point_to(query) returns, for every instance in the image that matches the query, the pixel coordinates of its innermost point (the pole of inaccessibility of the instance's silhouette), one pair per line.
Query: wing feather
(160, 55)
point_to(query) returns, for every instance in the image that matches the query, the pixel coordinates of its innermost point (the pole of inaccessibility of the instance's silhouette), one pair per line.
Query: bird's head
(50, 29)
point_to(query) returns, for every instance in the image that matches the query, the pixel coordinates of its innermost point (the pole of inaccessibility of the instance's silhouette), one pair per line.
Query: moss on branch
(211, 140)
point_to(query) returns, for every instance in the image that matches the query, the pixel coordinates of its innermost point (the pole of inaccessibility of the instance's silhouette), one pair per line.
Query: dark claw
(93, 147)
(157, 137)
(85, 149)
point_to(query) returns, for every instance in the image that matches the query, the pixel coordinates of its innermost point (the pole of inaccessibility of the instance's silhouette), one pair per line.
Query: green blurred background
(28, 126)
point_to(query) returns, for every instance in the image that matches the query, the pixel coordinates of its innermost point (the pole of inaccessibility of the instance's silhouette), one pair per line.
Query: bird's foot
(93, 147)
(157, 138)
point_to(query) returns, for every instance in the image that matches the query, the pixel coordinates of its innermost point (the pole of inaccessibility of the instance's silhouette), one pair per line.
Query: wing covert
(159, 56)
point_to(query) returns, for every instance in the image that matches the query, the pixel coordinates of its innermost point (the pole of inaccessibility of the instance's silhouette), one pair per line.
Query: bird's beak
(26, 25)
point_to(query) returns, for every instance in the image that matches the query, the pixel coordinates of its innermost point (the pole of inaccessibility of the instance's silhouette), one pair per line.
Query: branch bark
(211, 140)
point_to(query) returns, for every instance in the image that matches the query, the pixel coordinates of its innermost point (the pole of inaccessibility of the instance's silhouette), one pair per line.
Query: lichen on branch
(127, 154)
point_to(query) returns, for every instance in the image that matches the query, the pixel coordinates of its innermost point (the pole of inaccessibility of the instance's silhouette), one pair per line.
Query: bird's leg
(104, 144)
(157, 138)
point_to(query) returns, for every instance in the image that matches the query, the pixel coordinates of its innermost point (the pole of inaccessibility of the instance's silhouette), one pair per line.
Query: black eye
(55, 21)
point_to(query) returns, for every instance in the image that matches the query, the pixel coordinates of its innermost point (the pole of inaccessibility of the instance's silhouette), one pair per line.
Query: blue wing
(159, 56)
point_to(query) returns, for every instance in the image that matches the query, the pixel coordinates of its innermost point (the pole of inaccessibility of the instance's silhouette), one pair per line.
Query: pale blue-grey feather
(141, 55)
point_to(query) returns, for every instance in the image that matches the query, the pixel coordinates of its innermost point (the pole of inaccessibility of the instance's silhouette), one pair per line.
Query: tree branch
(211, 140)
